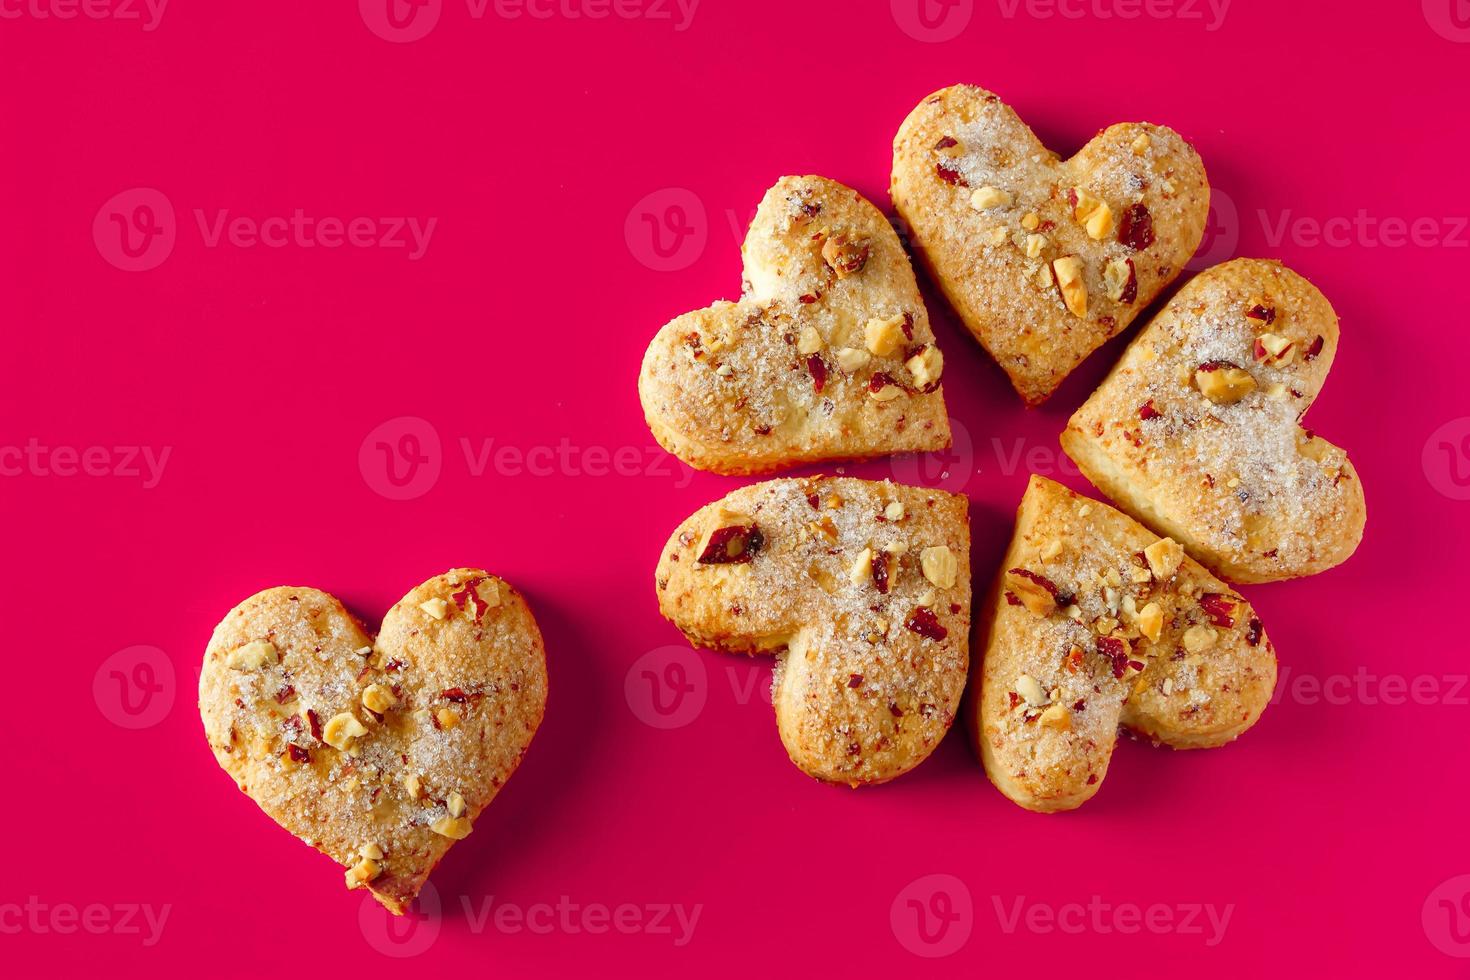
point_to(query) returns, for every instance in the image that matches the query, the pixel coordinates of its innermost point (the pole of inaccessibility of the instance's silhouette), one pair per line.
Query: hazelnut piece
(253, 656)
(989, 197)
(1163, 557)
(1223, 383)
(341, 729)
(1068, 271)
(883, 335)
(926, 366)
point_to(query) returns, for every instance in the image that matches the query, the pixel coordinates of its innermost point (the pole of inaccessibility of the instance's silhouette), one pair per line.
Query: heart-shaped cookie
(1095, 622)
(860, 588)
(1196, 431)
(380, 754)
(1044, 259)
(827, 355)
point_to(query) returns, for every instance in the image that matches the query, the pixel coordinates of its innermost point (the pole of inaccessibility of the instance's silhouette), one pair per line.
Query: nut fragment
(1036, 593)
(1028, 687)
(862, 569)
(378, 698)
(1223, 383)
(1163, 557)
(1272, 348)
(436, 607)
(1052, 549)
(1141, 144)
(1151, 621)
(455, 804)
(1120, 281)
(844, 255)
(883, 335)
(253, 656)
(809, 342)
(448, 718)
(926, 366)
(1199, 637)
(853, 359)
(1068, 270)
(894, 510)
(1058, 717)
(1034, 245)
(341, 729)
(414, 786)
(1031, 221)
(1099, 223)
(362, 872)
(939, 566)
(455, 828)
(989, 197)
(371, 850)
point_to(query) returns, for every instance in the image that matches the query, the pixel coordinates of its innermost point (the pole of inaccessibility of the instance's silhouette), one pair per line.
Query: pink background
(1332, 831)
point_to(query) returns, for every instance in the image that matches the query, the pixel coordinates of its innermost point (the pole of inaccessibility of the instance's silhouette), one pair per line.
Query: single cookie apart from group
(1197, 431)
(379, 752)
(1044, 259)
(862, 591)
(1094, 623)
(828, 354)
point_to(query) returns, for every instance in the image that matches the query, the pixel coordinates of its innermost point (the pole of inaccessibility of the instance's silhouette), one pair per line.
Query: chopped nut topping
(853, 359)
(862, 568)
(1052, 549)
(455, 804)
(809, 342)
(1036, 593)
(1223, 384)
(1199, 638)
(724, 370)
(1151, 621)
(362, 872)
(884, 335)
(341, 729)
(1273, 348)
(999, 236)
(1141, 145)
(1163, 557)
(436, 607)
(989, 197)
(1099, 223)
(844, 256)
(372, 851)
(926, 366)
(939, 566)
(887, 393)
(252, 656)
(1028, 687)
(894, 510)
(1034, 245)
(1119, 281)
(1030, 221)
(1068, 270)
(414, 786)
(949, 146)
(455, 828)
(1058, 717)
(378, 698)
(448, 718)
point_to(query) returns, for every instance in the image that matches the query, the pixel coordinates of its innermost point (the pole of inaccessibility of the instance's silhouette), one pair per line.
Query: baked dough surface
(267, 715)
(1054, 688)
(1242, 485)
(867, 681)
(962, 139)
(786, 375)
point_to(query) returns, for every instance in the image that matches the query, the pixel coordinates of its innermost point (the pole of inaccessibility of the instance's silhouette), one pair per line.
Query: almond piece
(939, 566)
(1223, 384)
(988, 197)
(926, 366)
(1068, 271)
(253, 656)
(1163, 557)
(883, 335)
(1028, 687)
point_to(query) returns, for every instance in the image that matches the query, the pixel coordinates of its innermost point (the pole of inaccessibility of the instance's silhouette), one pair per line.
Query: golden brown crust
(286, 661)
(1239, 483)
(962, 139)
(1173, 655)
(866, 682)
(786, 375)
